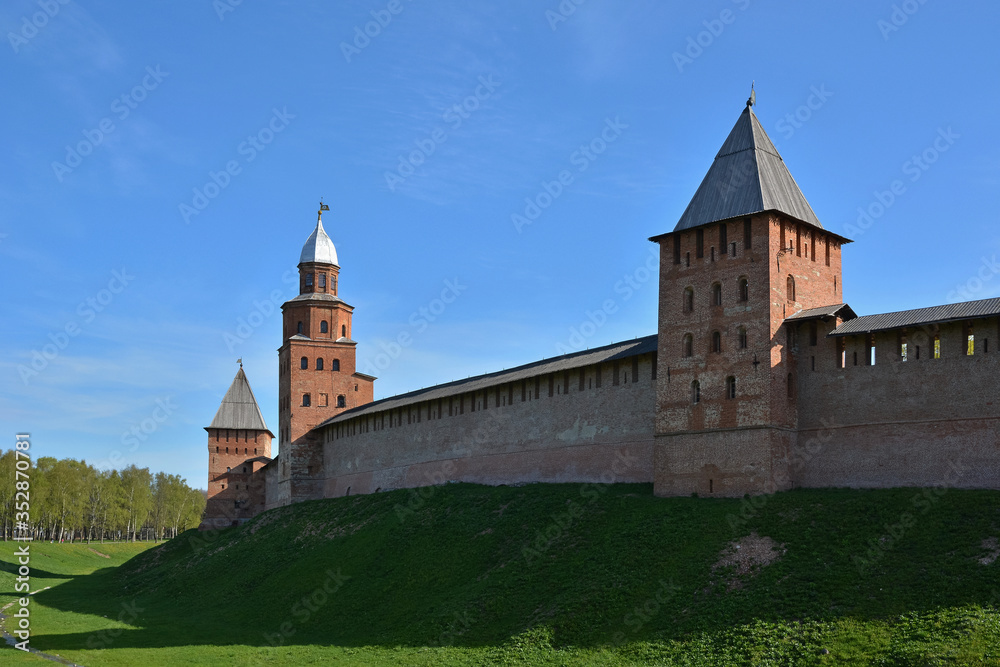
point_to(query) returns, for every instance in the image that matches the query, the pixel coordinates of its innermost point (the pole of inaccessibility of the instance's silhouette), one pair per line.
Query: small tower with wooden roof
(239, 445)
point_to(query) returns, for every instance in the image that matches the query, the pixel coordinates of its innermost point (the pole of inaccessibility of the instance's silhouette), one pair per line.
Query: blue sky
(164, 162)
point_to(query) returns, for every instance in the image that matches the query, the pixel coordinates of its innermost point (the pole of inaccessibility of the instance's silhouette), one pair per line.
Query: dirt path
(12, 640)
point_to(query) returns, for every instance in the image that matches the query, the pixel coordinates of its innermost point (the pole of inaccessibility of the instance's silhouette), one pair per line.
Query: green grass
(547, 574)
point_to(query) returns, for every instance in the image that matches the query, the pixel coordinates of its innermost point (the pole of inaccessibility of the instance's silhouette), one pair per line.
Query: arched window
(717, 294)
(688, 345)
(304, 363)
(323, 327)
(306, 400)
(299, 328)
(716, 341)
(790, 289)
(689, 300)
(336, 365)
(319, 364)
(742, 335)
(730, 387)
(343, 331)
(744, 290)
(228, 469)
(341, 402)
(695, 392)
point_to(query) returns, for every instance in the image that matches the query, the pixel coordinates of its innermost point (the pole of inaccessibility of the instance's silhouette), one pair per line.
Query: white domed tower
(317, 376)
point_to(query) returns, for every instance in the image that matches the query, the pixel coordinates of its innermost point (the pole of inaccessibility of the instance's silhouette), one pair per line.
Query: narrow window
(343, 331)
(791, 386)
(597, 376)
(333, 284)
(309, 281)
(688, 346)
(742, 337)
(306, 400)
(841, 352)
(813, 333)
(716, 341)
(812, 363)
(695, 392)
(336, 365)
(552, 384)
(730, 387)
(937, 346)
(635, 369)
(304, 363)
(712, 252)
(855, 357)
(970, 341)
(835, 285)
(723, 237)
(986, 345)
(699, 248)
(812, 243)
(798, 241)
(903, 351)
(615, 374)
(677, 248)
(916, 352)
(299, 328)
(583, 376)
(717, 294)
(871, 349)
(323, 326)
(319, 364)
(733, 249)
(827, 244)
(687, 259)
(744, 289)
(538, 387)
(790, 289)
(689, 300)
(322, 281)
(747, 233)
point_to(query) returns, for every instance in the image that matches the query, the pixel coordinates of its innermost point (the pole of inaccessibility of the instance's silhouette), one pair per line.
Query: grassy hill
(554, 574)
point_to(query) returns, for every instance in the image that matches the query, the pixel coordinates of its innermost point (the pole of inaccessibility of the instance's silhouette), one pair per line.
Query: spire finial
(322, 207)
(240, 362)
(753, 96)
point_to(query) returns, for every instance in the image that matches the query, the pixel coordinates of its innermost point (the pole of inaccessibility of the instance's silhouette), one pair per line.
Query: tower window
(717, 294)
(747, 233)
(322, 280)
(687, 259)
(937, 346)
(813, 333)
(791, 386)
(723, 237)
(699, 248)
(742, 337)
(333, 284)
(343, 331)
(309, 281)
(304, 363)
(730, 387)
(716, 341)
(827, 244)
(688, 299)
(688, 345)
(336, 365)
(323, 327)
(319, 364)
(970, 340)
(306, 400)
(790, 289)
(298, 329)
(695, 392)
(677, 249)
(744, 289)
(341, 401)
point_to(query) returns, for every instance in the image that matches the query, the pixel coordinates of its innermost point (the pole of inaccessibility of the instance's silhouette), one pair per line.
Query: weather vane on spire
(322, 207)
(240, 362)
(753, 96)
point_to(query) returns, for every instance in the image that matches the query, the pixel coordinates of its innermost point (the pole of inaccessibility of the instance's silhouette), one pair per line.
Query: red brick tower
(317, 376)
(239, 445)
(748, 252)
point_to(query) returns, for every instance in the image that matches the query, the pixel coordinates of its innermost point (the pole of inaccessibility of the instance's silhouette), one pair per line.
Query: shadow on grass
(474, 566)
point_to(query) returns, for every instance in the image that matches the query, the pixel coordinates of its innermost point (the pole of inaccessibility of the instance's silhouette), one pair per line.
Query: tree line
(71, 500)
